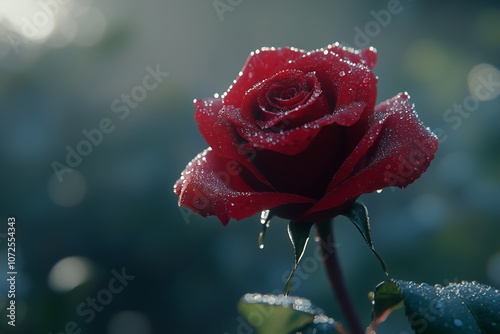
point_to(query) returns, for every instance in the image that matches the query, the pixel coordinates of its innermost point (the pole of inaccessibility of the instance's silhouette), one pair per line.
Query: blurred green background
(65, 66)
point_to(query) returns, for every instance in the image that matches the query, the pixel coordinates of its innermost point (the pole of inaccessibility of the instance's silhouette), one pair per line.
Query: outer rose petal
(367, 56)
(221, 135)
(206, 114)
(394, 155)
(209, 187)
(260, 65)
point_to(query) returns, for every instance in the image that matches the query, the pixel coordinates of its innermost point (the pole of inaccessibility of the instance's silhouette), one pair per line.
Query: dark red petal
(397, 154)
(207, 111)
(208, 188)
(260, 65)
(367, 56)
(343, 82)
(306, 173)
(370, 56)
(297, 140)
(221, 135)
(359, 152)
(313, 108)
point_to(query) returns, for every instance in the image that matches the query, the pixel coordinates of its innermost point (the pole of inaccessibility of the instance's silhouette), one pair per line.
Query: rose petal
(397, 156)
(296, 140)
(367, 56)
(306, 173)
(222, 136)
(212, 186)
(358, 153)
(251, 108)
(342, 81)
(252, 115)
(207, 111)
(370, 56)
(260, 65)
(313, 107)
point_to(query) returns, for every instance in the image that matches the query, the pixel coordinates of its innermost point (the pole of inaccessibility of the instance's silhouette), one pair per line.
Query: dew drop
(379, 191)
(262, 234)
(341, 73)
(265, 221)
(458, 322)
(264, 217)
(216, 95)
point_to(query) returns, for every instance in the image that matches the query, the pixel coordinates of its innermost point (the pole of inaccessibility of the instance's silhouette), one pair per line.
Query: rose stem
(332, 265)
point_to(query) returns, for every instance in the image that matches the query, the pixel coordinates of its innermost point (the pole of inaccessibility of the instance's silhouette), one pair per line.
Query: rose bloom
(299, 133)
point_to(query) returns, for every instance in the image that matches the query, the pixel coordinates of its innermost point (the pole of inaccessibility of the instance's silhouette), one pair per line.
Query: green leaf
(321, 325)
(386, 298)
(298, 232)
(358, 215)
(272, 314)
(467, 307)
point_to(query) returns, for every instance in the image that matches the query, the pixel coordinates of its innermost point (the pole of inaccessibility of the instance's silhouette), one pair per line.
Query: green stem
(332, 265)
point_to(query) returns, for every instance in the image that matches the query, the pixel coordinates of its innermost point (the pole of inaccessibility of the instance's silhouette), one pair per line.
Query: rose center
(286, 94)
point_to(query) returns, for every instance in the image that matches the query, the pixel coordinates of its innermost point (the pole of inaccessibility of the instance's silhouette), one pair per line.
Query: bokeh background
(64, 64)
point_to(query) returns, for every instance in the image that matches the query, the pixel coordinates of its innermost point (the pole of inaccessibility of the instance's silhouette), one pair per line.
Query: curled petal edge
(209, 189)
(397, 156)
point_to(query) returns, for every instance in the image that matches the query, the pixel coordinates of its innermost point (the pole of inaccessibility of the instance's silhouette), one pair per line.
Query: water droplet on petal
(379, 191)
(341, 73)
(458, 322)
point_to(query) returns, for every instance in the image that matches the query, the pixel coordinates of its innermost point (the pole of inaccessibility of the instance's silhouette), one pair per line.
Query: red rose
(299, 133)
